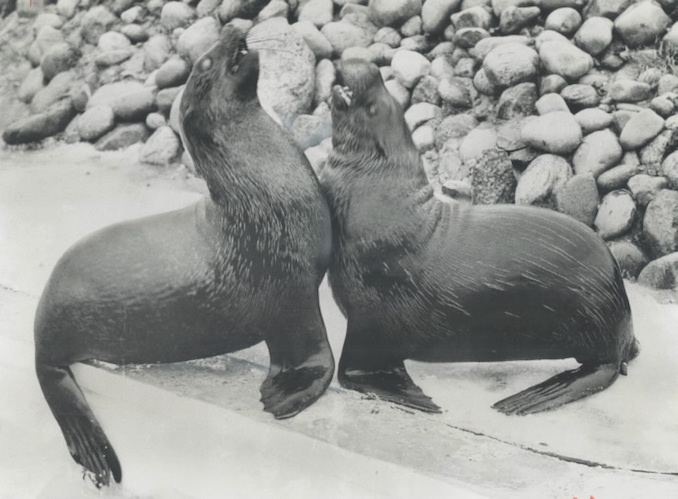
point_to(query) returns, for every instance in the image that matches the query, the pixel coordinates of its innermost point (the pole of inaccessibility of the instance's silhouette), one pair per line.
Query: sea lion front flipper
(302, 365)
(391, 384)
(85, 439)
(560, 389)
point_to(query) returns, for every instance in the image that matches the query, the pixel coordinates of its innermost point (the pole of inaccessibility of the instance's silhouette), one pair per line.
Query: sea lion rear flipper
(391, 384)
(85, 439)
(560, 389)
(302, 366)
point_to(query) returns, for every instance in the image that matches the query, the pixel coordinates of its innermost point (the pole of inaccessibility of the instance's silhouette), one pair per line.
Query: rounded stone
(161, 148)
(624, 90)
(510, 64)
(598, 152)
(616, 177)
(641, 129)
(172, 73)
(630, 257)
(318, 12)
(565, 21)
(473, 17)
(112, 40)
(514, 19)
(660, 224)
(156, 51)
(198, 38)
(565, 59)
(95, 122)
(557, 133)
(59, 58)
(319, 45)
(129, 100)
(616, 214)
(579, 198)
(96, 22)
(552, 84)
(517, 101)
(409, 67)
(579, 96)
(393, 12)
(435, 14)
(593, 119)
(661, 273)
(595, 35)
(540, 181)
(645, 187)
(343, 35)
(420, 113)
(476, 142)
(670, 169)
(642, 23)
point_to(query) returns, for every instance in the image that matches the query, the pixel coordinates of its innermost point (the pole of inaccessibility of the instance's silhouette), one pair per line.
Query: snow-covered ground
(197, 429)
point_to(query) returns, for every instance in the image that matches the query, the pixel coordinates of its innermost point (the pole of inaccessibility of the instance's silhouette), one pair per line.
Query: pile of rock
(566, 104)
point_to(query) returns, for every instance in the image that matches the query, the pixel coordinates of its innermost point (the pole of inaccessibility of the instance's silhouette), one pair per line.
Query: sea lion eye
(239, 54)
(206, 64)
(372, 110)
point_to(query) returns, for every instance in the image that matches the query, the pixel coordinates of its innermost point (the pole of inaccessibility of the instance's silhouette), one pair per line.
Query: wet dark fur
(240, 267)
(419, 278)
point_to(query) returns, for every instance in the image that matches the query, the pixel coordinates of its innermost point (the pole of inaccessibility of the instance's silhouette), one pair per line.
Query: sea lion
(423, 279)
(240, 267)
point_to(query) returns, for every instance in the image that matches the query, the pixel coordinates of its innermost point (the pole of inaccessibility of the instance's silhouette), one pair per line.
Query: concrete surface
(164, 420)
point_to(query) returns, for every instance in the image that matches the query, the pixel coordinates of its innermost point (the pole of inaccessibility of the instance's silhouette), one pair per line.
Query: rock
(483, 84)
(630, 257)
(155, 121)
(550, 103)
(119, 6)
(135, 33)
(399, 92)
(318, 12)
(40, 126)
(565, 59)
(661, 273)
(317, 155)
(67, 8)
(343, 35)
(176, 15)
(644, 188)
(310, 130)
(660, 224)
(552, 84)
(617, 177)
(96, 22)
(129, 100)
(31, 85)
(508, 136)
(579, 198)
(455, 93)
(172, 73)
(420, 113)
(629, 91)
(667, 83)
(517, 101)
(565, 21)
(454, 126)
(595, 35)
(427, 91)
(513, 19)
(95, 122)
(469, 37)
(393, 12)
(132, 15)
(166, 97)
(157, 51)
(198, 38)
(358, 53)
(642, 23)
(580, 96)
(664, 105)
(641, 129)
(459, 190)
(412, 27)
(593, 119)
(319, 45)
(652, 155)
(175, 113)
(473, 17)
(510, 64)
(435, 14)
(80, 95)
(409, 67)
(112, 58)
(557, 133)
(389, 36)
(112, 40)
(325, 75)
(540, 181)
(486, 45)
(121, 137)
(423, 138)
(669, 44)
(616, 214)
(287, 78)
(598, 152)
(58, 88)
(670, 169)
(59, 58)
(492, 178)
(47, 38)
(161, 148)
(476, 143)
(606, 8)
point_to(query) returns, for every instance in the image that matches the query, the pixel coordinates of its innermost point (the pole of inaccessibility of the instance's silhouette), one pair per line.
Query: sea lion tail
(85, 438)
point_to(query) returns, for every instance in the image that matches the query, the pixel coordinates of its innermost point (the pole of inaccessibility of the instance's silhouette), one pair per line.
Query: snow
(197, 429)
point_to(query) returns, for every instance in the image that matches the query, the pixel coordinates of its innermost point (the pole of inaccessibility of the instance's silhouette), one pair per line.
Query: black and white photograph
(339, 249)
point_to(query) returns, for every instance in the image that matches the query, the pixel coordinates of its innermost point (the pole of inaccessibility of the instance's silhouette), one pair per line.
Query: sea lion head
(366, 118)
(222, 79)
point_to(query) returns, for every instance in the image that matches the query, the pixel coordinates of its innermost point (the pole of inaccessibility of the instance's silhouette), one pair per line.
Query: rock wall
(565, 104)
